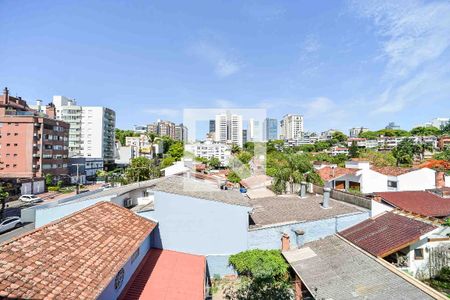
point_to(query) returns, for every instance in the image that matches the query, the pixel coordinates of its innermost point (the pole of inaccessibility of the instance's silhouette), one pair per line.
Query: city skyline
(352, 65)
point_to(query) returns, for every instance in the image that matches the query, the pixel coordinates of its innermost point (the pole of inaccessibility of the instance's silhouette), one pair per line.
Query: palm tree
(292, 171)
(421, 148)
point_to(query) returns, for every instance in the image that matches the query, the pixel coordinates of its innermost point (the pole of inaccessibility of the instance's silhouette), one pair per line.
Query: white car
(10, 223)
(30, 199)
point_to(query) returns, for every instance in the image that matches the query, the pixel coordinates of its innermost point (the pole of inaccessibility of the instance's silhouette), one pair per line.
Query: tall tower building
(229, 129)
(292, 127)
(270, 129)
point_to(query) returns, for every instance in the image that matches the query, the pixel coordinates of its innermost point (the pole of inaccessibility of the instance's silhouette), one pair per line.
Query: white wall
(417, 180)
(379, 208)
(372, 181)
(447, 180)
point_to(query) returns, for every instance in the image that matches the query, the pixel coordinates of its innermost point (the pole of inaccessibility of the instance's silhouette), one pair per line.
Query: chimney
(299, 234)
(285, 242)
(303, 189)
(440, 179)
(326, 197)
(6, 94)
(50, 111)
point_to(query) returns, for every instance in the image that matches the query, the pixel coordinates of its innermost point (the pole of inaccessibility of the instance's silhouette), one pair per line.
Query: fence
(343, 196)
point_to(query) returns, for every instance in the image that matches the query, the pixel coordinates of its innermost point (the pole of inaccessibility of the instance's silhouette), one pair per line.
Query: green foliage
(233, 177)
(176, 150)
(378, 159)
(3, 196)
(339, 136)
(444, 155)
(446, 129)
(322, 145)
(441, 282)
(263, 274)
(370, 135)
(425, 131)
(141, 168)
(167, 161)
(48, 179)
(249, 146)
(235, 149)
(166, 143)
(404, 152)
(122, 134)
(214, 163)
(292, 169)
(245, 157)
(275, 145)
(53, 188)
(201, 159)
(305, 148)
(353, 150)
(259, 263)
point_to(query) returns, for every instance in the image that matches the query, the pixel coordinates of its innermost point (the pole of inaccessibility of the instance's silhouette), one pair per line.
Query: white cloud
(166, 112)
(223, 63)
(415, 38)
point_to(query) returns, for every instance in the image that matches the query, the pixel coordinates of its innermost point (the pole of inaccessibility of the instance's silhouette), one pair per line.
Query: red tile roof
(436, 164)
(75, 257)
(329, 173)
(419, 202)
(166, 274)
(386, 233)
(392, 171)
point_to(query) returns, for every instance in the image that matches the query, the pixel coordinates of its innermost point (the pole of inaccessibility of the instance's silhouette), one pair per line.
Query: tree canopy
(122, 134)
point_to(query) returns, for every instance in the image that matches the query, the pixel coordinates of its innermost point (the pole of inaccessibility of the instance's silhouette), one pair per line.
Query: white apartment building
(209, 150)
(255, 130)
(355, 131)
(292, 127)
(229, 129)
(181, 133)
(91, 132)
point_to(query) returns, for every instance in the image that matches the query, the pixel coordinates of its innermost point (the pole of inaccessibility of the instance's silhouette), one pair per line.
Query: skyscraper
(228, 128)
(270, 129)
(292, 127)
(212, 125)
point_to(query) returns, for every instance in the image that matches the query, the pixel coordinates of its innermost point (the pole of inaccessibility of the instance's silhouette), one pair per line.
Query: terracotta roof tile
(329, 173)
(392, 171)
(73, 258)
(386, 233)
(419, 202)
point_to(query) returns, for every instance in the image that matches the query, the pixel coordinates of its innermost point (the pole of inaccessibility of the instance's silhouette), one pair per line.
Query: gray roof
(332, 268)
(292, 208)
(199, 189)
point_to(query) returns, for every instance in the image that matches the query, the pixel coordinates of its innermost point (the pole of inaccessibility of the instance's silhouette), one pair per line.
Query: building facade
(32, 144)
(292, 127)
(229, 129)
(209, 150)
(356, 131)
(181, 133)
(91, 128)
(270, 129)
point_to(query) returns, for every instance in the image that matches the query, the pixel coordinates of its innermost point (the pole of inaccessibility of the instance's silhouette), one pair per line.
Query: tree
(263, 274)
(444, 155)
(421, 147)
(167, 161)
(176, 150)
(249, 146)
(446, 128)
(291, 172)
(378, 159)
(425, 131)
(322, 145)
(233, 177)
(214, 163)
(339, 136)
(353, 150)
(235, 149)
(152, 140)
(49, 179)
(3, 196)
(370, 135)
(245, 157)
(122, 134)
(142, 168)
(404, 152)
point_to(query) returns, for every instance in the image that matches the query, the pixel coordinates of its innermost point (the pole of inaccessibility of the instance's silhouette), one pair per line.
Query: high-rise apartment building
(181, 133)
(32, 144)
(356, 131)
(292, 127)
(212, 125)
(91, 131)
(229, 129)
(255, 130)
(166, 128)
(270, 129)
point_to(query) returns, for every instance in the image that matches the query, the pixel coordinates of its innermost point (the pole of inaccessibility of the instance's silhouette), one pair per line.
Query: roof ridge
(61, 220)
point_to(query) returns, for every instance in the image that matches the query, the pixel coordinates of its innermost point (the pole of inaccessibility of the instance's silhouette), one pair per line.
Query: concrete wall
(218, 265)
(46, 215)
(447, 180)
(378, 208)
(110, 292)
(372, 181)
(417, 180)
(270, 237)
(36, 187)
(198, 226)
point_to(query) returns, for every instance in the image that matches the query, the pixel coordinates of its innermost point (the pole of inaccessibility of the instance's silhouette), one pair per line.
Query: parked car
(30, 199)
(10, 223)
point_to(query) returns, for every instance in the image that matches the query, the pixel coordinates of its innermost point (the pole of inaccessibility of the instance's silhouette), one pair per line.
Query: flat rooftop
(332, 268)
(292, 208)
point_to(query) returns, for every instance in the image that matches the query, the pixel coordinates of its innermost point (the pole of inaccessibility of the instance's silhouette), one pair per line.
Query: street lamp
(78, 177)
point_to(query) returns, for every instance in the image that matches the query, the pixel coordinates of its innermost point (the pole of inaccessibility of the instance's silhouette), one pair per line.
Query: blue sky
(340, 64)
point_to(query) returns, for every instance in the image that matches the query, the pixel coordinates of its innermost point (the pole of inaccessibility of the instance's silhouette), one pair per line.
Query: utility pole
(78, 177)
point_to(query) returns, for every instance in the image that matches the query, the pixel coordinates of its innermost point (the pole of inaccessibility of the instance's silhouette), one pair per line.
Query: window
(418, 253)
(392, 184)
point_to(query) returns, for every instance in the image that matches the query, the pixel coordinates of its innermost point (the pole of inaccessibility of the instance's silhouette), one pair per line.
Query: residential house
(402, 240)
(333, 268)
(362, 176)
(101, 252)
